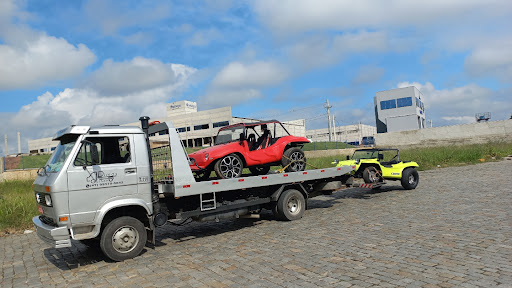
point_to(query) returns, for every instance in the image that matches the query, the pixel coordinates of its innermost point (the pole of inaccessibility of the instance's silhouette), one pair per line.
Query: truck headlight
(48, 200)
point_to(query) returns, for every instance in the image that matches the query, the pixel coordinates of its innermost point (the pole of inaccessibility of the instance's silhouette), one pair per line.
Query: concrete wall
(28, 174)
(339, 153)
(474, 133)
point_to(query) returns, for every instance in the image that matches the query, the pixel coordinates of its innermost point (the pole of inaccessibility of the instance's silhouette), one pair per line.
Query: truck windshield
(60, 154)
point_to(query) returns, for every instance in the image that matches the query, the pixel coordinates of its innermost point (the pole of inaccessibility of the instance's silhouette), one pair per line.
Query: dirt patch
(12, 162)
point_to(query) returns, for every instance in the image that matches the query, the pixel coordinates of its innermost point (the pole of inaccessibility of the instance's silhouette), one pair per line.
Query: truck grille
(47, 220)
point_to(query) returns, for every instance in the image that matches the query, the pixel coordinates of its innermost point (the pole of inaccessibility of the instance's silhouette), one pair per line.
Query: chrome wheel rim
(297, 161)
(412, 180)
(294, 205)
(125, 239)
(230, 167)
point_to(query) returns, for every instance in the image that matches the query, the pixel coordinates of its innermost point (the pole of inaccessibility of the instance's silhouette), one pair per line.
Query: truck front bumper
(57, 237)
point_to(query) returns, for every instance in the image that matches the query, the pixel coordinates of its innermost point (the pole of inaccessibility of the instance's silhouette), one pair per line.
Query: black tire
(290, 206)
(410, 178)
(123, 238)
(229, 166)
(202, 175)
(259, 170)
(295, 156)
(371, 175)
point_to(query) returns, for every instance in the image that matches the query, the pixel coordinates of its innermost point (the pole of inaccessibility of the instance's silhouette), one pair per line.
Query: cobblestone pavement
(454, 230)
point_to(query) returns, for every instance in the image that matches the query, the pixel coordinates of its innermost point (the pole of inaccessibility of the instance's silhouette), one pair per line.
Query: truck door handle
(130, 170)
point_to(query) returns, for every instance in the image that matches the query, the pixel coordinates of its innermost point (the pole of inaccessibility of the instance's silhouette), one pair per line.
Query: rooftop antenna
(483, 117)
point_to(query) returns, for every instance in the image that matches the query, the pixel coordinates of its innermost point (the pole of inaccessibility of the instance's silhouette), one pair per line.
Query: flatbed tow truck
(107, 186)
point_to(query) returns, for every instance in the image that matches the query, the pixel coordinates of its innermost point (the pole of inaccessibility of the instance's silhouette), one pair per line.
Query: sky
(94, 62)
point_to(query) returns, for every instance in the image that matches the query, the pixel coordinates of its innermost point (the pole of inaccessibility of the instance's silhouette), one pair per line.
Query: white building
(196, 128)
(399, 109)
(352, 134)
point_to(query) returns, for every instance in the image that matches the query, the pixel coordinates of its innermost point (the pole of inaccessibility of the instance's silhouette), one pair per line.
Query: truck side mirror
(95, 158)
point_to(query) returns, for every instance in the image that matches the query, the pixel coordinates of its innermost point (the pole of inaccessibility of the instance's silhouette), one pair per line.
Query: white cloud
(94, 106)
(138, 38)
(318, 51)
(460, 119)
(228, 97)
(294, 16)
(40, 60)
(113, 16)
(368, 74)
(491, 58)
(254, 75)
(138, 74)
(459, 104)
(31, 58)
(203, 37)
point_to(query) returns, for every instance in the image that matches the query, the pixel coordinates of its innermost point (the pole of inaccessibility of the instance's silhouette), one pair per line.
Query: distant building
(399, 109)
(196, 128)
(352, 134)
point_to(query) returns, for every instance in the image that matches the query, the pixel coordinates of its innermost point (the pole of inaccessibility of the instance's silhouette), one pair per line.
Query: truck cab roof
(107, 129)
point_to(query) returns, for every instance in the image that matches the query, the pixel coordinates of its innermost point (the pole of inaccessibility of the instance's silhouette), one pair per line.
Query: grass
(429, 158)
(33, 161)
(18, 205)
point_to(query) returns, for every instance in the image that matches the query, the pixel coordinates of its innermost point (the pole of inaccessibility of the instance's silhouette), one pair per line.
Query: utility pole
(334, 128)
(19, 143)
(431, 123)
(6, 149)
(328, 118)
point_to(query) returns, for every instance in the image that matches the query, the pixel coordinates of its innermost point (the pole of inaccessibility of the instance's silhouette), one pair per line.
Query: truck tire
(370, 175)
(123, 238)
(295, 156)
(229, 166)
(202, 175)
(259, 170)
(290, 205)
(410, 178)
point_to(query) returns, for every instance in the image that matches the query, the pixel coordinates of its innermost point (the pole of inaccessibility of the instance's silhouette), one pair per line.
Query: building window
(183, 129)
(404, 102)
(201, 127)
(388, 104)
(419, 104)
(220, 124)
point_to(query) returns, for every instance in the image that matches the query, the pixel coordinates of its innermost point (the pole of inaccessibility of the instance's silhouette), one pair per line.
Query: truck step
(207, 201)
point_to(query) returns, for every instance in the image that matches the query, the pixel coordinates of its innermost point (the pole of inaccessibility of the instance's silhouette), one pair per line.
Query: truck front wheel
(290, 206)
(123, 238)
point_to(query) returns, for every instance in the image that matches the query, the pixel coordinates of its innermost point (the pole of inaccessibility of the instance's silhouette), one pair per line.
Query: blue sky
(108, 62)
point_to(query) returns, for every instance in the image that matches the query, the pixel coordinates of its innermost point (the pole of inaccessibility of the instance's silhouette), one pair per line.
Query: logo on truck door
(101, 179)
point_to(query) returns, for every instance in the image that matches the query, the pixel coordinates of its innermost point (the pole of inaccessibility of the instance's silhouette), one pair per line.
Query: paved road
(454, 230)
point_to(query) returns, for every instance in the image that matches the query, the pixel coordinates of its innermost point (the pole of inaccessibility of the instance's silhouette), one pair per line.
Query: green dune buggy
(373, 168)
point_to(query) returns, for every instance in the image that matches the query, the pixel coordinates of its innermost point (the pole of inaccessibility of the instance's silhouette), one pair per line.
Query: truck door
(91, 185)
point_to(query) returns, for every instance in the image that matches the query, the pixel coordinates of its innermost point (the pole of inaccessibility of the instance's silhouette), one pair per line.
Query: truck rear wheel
(123, 238)
(290, 206)
(410, 178)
